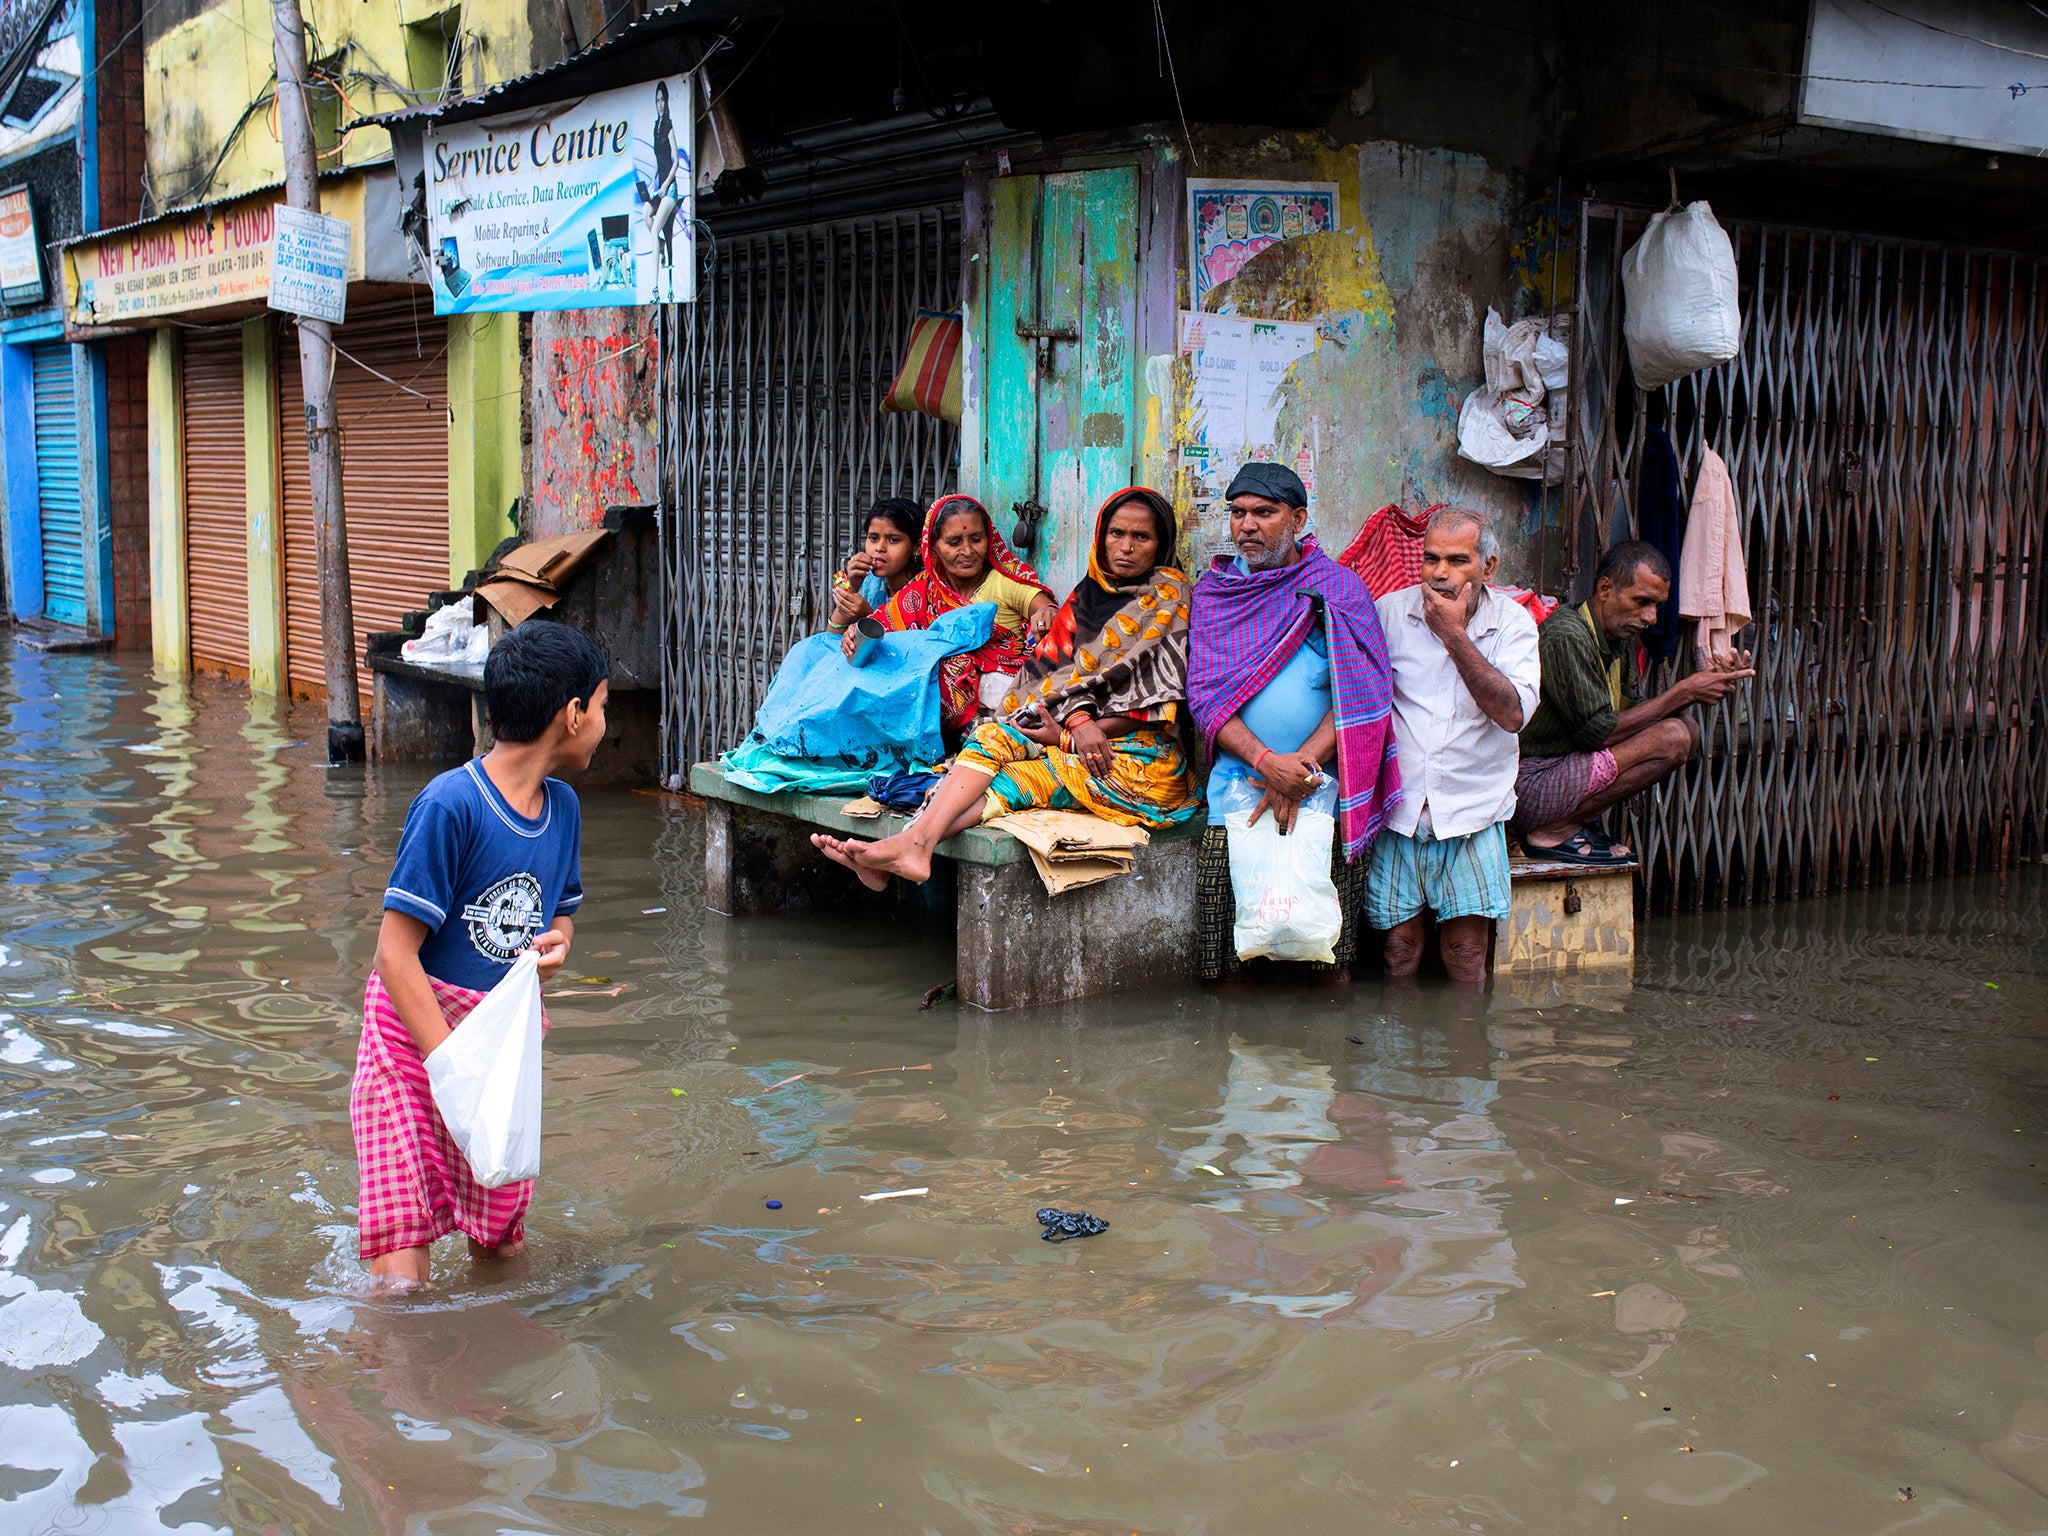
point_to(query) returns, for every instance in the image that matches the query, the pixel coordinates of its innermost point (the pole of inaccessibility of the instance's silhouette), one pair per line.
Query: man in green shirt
(1593, 740)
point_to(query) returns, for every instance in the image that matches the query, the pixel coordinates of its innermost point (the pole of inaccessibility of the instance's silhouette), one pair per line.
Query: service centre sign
(579, 205)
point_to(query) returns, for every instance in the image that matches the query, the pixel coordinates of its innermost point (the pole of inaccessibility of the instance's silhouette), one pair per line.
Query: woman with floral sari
(1092, 723)
(966, 561)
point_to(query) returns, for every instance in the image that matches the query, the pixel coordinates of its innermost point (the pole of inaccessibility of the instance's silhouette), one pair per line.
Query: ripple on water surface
(1752, 1246)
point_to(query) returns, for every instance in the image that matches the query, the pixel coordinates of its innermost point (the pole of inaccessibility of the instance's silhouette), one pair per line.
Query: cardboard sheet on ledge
(532, 576)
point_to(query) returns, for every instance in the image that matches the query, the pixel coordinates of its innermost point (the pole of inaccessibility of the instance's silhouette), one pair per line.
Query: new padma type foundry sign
(578, 205)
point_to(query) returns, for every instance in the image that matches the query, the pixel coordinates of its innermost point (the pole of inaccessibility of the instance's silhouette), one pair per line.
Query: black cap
(1275, 482)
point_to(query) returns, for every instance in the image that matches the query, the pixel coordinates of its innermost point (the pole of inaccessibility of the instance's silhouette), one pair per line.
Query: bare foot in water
(482, 1255)
(846, 851)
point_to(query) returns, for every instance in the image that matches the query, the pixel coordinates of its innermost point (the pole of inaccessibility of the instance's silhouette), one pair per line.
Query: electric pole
(323, 433)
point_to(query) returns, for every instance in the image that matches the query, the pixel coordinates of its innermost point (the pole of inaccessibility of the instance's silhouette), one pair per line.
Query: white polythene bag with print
(1287, 906)
(486, 1079)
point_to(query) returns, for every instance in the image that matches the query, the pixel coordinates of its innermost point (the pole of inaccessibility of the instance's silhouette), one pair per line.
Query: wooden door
(1057, 331)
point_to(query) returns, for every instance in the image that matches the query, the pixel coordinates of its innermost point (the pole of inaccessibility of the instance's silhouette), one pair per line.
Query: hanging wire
(1163, 47)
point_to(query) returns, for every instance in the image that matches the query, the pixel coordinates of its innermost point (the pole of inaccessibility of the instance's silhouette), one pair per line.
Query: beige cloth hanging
(1713, 580)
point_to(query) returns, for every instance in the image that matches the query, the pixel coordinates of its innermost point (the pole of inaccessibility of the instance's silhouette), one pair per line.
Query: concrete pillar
(260, 453)
(485, 410)
(170, 631)
(96, 518)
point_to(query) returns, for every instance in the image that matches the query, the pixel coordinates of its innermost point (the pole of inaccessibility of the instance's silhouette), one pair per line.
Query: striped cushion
(929, 379)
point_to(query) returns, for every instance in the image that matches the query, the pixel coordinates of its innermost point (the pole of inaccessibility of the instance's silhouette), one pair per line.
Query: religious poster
(582, 205)
(1230, 222)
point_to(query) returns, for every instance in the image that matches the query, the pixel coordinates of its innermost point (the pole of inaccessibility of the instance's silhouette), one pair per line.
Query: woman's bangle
(1077, 719)
(1066, 739)
(1264, 753)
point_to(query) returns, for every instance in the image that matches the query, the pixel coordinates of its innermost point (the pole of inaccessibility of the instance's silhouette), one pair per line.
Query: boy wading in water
(487, 867)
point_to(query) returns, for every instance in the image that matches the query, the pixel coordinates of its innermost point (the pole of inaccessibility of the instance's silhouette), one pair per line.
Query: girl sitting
(882, 566)
(966, 561)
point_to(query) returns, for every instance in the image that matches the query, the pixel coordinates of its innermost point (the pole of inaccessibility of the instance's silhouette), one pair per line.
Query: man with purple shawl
(1287, 679)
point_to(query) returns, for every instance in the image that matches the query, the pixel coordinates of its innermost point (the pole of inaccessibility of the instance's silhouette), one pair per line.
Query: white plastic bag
(1514, 424)
(486, 1079)
(1287, 907)
(451, 634)
(1679, 293)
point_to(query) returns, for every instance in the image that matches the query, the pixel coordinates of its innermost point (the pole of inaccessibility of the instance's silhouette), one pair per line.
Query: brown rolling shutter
(216, 502)
(394, 478)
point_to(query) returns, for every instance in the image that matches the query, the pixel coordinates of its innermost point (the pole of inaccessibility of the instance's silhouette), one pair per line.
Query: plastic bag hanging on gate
(1679, 290)
(486, 1079)
(1287, 905)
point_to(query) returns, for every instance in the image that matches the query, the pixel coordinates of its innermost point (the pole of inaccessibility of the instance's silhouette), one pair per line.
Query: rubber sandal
(1585, 846)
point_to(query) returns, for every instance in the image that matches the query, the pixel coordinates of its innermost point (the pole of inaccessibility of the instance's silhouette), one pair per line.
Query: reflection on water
(1751, 1247)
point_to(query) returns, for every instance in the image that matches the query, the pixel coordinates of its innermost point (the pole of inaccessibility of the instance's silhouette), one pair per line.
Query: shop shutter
(57, 484)
(216, 502)
(394, 478)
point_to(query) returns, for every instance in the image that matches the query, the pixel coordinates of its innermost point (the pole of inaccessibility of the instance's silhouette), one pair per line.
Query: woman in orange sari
(966, 561)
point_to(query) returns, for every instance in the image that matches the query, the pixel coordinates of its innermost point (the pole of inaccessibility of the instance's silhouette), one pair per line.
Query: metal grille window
(1884, 426)
(772, 444)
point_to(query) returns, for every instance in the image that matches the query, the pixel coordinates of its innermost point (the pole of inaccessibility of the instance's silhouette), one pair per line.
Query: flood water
(1752, 1247)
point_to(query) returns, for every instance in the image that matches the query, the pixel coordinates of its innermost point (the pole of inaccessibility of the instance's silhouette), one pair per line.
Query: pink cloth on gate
(416, 1184)
(1713, 581)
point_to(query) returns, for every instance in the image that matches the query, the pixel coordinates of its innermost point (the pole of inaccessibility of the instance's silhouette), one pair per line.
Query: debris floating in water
(651, 911)
(896, 1194)
(1210, 1168)
(797, 1077)
(1061, 1226)
(774, 1205)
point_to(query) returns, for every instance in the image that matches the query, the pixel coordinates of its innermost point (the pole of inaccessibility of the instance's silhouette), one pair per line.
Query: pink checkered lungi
(416, 1184)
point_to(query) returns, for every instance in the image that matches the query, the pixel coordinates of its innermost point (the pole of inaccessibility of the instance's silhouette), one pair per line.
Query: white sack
(486, 1079)
(1679, 294)
(1287, 907)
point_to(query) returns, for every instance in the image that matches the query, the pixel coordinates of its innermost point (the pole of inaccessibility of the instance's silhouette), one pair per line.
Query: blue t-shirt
(1283, 714)
(482, 877)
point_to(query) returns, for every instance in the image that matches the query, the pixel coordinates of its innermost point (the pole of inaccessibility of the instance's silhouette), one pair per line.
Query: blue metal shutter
(57, 484)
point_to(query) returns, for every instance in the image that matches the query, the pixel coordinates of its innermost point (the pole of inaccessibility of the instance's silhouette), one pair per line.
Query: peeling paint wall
(1428, 239)
(592, 405)
(207, 65)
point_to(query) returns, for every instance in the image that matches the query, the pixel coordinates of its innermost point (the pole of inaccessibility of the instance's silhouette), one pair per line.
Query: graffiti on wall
(593, 419)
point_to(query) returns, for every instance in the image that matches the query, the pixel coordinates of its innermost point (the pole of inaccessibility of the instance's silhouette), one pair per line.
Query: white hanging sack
(486, 1079)
(1679, 297)
(1287, 907)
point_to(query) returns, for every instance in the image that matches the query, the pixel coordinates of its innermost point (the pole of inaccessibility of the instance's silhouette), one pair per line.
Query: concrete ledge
(1014, 945)
(977, 845)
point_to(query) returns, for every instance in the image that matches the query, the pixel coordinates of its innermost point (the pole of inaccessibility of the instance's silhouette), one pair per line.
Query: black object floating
(1060, 1225)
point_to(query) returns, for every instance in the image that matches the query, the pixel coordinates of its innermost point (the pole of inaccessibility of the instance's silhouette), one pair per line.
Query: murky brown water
(1749, 1249)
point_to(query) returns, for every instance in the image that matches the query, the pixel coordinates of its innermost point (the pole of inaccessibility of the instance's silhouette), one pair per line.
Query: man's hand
(1091, 745)
(1447, 615)
(1718, 681)
(552, 945)
(1295, 775)
(1284, 807)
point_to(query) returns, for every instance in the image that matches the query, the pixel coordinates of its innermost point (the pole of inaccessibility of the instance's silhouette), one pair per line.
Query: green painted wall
(485, 456)
(170, 638)
(260, 449)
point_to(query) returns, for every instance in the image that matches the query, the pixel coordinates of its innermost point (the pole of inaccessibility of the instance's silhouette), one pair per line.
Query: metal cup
(870, 634)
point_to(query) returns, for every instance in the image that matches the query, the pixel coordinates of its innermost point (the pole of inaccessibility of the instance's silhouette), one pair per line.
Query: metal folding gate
(56, 411)
(1884, 426)
(216, 501)
(771, 443)
(391, 397)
